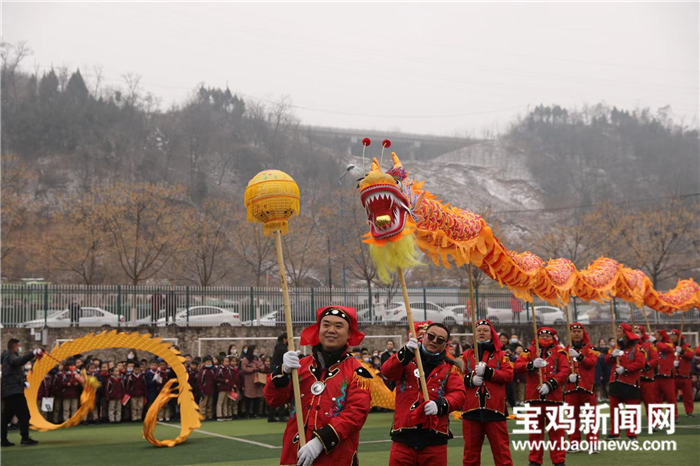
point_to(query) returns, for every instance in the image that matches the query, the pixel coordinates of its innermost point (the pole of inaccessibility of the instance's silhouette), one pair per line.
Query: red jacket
(445, 386)
(334, 416)
(488, 401)
(205, 381)
(114, 389)
(554, 373)
(70, 386)
(193, 380)
(135, 384)
(651, 362)
(584, 366)
(224, 379)
(686, 360)
(632, 361)
(46, 389)
(666, 357)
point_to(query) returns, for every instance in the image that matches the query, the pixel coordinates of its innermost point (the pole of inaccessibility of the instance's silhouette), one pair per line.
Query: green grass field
(229, 443)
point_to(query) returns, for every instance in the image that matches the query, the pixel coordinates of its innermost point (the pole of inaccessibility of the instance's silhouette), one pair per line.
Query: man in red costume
(627, 361)
(579, 387)
(683, 382)
(553, 363)
(421, 427)
(335, 392)
(485, 412)
(665, 387)
(646, 377)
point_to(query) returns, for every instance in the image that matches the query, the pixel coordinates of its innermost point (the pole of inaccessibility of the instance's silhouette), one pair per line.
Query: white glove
(430, 408)
(544, 389)
(477, 380)
(290, 361)
(539, 363)
(480, 368)
(678, 350)
(309, 452)
(652, 339)
(38, 352)
(158, 378)
(26, 384)
(573, 378)
(619, 370)
(412, 345)
(573, 353)
(676, 363)
(617, 353)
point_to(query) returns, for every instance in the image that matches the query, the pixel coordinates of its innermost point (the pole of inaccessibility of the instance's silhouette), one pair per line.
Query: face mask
(426, 351)
(244, 350)
(514, 340)
(19, 350)
(545, 343)
(28, 366)
(367, 359)
(208, 366)
(71, 368)
(375, 354)
(130, 370)
(130, 356)
(234, 352)
(485, 342)
(255, 353)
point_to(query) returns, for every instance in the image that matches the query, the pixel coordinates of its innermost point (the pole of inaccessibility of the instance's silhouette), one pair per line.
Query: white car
(89, 317)
(396, 312)
(549, 315)
(268, 320)
(205, 316)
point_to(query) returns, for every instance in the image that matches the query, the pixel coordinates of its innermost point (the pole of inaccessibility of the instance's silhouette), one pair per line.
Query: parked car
(205, 316)
(549, 315)
(505, 315)
(89, 317)
(396, 313)
(267, 320)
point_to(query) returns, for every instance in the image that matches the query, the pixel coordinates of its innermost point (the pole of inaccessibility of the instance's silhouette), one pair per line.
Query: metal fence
(115, 306)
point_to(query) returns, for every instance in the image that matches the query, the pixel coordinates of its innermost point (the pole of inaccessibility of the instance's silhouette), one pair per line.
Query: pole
(632, 316)
(412, 329)
(646, 319)
(290, 339)
(473, 310)
(614, 328)
(537, 343)
(571, 342)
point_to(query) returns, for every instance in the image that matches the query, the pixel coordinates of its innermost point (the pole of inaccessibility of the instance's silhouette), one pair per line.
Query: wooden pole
(537, 343)
(632, 316)
(412, 329)
(614, 328)
(473, 312)
(646, 319)
(290, 339)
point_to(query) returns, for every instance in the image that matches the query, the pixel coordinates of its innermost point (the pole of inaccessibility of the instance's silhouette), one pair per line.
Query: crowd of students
(224, 386)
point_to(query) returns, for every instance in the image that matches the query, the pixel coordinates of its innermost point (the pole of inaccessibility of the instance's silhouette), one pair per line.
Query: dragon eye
(398, 182)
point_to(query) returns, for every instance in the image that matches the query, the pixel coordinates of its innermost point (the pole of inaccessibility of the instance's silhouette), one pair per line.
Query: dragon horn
(397, 162)
(375, 165)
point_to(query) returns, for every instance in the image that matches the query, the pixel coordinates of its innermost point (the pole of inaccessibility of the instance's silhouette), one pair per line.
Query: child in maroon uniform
(207, 388)
(46, 390)
(161, 378)
(135, 387)
(224, 384)
(101, 398)
(114, 392)
(233, 404)
(70, 389)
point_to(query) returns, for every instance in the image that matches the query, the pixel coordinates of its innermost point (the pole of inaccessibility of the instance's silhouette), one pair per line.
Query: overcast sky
(427, 68)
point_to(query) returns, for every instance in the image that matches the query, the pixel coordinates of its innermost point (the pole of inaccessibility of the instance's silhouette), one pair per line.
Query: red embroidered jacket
(666, 357)
(632, 361)
(651, 362)
(205, 381)
(488, 401)
(445, 387)
(686, 359)
(554, 373)
(334, 414)
(584, 367)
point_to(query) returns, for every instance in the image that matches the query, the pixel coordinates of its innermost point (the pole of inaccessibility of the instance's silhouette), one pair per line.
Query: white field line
(252, 442)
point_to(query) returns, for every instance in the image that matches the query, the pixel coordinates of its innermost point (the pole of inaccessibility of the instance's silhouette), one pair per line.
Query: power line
(587, 206)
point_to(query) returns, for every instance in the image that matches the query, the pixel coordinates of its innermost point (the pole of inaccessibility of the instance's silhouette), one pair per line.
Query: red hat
(420, 326)
(627, 328)
(675, 331)
(494, 335)
(642, 329)
(664, 335)
(576, 325)
(310, 334)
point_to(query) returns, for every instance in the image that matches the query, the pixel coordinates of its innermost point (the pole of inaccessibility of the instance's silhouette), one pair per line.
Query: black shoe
(560, 464)
(7, 443)
(689, 415)
(612, 437)
(532, 463)
(29, 441)
(632, 438)
(284, 419)
(271, 419)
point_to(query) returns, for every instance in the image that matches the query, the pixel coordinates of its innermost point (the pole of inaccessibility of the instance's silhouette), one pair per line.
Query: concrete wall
(187, 338)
